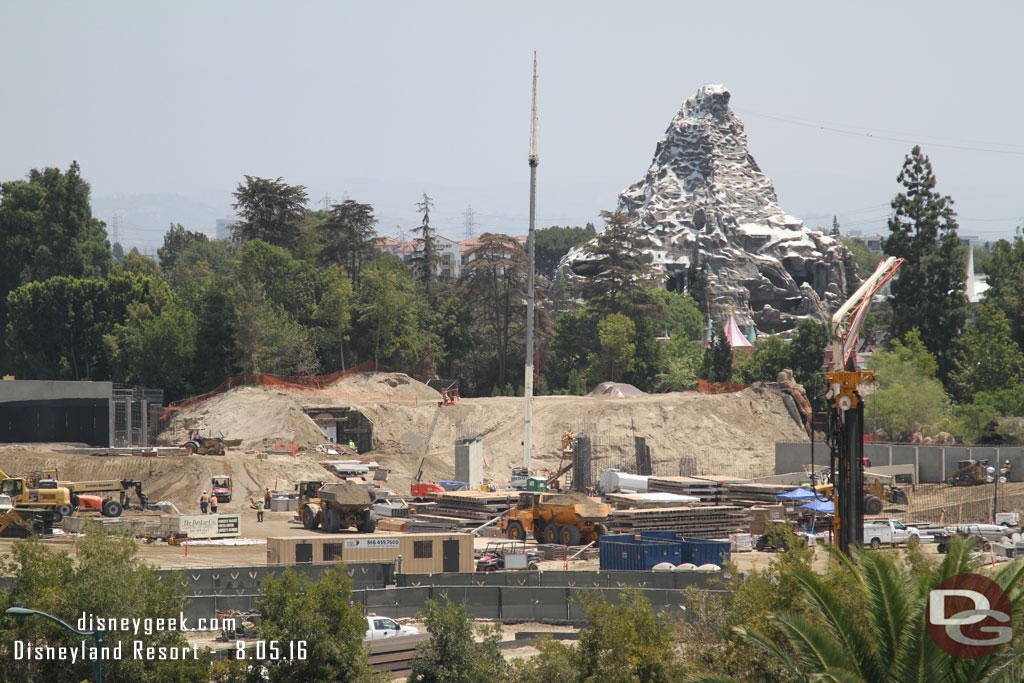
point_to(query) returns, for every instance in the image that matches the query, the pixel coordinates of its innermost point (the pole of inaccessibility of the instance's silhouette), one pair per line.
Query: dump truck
(24, 496)
(566, 518)
(336, 505)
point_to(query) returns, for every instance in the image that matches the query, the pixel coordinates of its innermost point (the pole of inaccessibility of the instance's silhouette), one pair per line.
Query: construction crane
(449, 396)
(846, 418)
(533, 159)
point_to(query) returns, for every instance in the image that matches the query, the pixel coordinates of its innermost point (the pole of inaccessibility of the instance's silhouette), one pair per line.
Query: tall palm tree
(894, 646)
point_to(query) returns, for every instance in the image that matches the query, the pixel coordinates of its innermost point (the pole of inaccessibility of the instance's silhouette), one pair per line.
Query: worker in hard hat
(204, 501)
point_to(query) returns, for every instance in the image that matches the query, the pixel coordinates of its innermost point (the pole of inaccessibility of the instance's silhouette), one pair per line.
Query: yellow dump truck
(566, 518)
(336, 505)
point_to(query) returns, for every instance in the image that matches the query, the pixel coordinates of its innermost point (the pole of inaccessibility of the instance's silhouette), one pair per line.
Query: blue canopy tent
(796, 494)
(825, 507)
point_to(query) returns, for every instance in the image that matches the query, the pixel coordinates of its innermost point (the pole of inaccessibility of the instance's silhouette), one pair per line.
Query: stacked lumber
(742, 493)
(462, 509)
(704, 521)
(709, 488)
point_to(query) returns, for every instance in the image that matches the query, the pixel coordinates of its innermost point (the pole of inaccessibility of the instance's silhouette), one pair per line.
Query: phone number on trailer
(270, 650)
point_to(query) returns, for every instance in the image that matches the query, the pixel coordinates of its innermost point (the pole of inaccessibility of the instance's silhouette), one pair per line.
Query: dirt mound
(571, 498)
(386, 382)
(345, 493)
(260, 417)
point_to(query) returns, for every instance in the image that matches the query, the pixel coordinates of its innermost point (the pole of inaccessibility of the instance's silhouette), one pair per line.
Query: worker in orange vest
(204, 501)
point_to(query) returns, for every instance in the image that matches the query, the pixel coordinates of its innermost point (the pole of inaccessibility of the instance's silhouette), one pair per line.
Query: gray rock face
(718, 230)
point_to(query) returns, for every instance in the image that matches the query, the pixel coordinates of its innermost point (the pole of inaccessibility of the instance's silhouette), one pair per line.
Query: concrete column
(917, 466)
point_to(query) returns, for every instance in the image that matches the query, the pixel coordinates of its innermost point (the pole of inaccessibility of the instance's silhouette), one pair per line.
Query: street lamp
(997, 477)
(97, 634)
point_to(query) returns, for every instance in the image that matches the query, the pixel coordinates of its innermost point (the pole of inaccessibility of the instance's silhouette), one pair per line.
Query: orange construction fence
(280, 381)
(706, 387)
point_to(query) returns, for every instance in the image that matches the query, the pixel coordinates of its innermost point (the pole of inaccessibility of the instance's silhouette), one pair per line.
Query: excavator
(845, 435)
(23, 495)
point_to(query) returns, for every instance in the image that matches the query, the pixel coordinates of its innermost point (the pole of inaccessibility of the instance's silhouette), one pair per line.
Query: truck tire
(62, 512)
(191, 447)
(112, 508)
(310, 518)
(569, 535)
(368, 524)
(875, 544)
(515, 531)
(551, 533)
(872, 505)
(941, 549)
(331, 520)
(600, 530)
(538, 530)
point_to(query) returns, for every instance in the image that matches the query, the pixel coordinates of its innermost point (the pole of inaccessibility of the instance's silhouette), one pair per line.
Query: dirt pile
(393, 382)
(571, 498)
(345, 493)
(260, 417)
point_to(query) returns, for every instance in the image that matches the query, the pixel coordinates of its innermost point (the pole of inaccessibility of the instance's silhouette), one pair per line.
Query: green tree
(158, 350)
(623, 642)
(893, 644)
(682, 368)
(346, 237)
(618, 280)
(680, 317)
(806, 359)
(390, 312)
(271, 210)
(495, 281)
(909, 397)
(865, 259)
(551, 244)
(989, 359)
(176, 241)
(928, 290)
(717, 365)
(426, 261)
(770, 355)
(109, 581)
(616, 334)
(1005, 278)
(294, 608)
(452, 655)
(334, 314)
(267, 338)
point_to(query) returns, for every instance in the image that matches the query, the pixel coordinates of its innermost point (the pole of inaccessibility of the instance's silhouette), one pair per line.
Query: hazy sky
(381, 101)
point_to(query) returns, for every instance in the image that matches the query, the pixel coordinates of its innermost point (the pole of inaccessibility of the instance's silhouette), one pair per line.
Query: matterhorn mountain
(716, 227)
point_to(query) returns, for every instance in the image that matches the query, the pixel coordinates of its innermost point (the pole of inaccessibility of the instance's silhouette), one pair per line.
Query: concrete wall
(469, 461)
(46, 390)
(934, 464)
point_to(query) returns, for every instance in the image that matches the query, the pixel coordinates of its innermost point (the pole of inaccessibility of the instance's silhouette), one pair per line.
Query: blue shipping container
(699, 551)
(625, 552)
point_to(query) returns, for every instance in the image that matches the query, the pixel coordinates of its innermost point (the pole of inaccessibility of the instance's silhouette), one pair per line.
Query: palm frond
(858, 645)
(917, 657)
(774, 650)
(887, 601)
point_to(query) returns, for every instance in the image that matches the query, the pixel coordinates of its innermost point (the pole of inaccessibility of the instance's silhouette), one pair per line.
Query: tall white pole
(533, 160)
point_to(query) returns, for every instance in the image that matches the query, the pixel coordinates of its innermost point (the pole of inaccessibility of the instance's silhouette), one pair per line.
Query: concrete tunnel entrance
(341, 425)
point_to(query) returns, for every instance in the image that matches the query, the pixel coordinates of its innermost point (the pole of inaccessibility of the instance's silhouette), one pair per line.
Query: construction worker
(1006, 469)
(213, 504)
(352, 446)
(259, 511)
(266, 498)
(204, 501)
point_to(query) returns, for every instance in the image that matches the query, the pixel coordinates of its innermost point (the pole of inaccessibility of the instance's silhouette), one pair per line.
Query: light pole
(996, 476)
(97, 634)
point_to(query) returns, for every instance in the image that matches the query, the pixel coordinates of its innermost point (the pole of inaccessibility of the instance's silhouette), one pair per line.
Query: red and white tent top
(734, 336)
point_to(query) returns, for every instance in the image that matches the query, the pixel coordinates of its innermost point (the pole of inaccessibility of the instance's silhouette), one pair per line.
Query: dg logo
(969, 616)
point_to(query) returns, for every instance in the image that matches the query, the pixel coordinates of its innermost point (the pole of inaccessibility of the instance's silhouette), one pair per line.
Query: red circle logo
(969, 616)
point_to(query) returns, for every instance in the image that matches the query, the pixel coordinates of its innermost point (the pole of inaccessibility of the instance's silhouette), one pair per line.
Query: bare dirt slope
(726, 434)
(177, 478)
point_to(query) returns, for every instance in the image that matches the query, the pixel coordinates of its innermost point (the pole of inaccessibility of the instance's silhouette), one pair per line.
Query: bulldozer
(562, 518)
(969, 473)
(203, 445)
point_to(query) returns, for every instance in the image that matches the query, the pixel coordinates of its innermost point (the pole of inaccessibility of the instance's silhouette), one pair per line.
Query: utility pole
(533, 159)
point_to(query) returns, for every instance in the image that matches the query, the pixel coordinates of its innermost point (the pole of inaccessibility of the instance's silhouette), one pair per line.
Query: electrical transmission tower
(470, 222)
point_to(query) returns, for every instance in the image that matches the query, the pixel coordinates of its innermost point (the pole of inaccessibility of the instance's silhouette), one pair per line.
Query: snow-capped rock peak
(718, 230)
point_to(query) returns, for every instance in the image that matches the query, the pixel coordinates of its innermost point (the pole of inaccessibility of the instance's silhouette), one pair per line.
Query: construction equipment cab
(55, 498)
(969, 473)
(203, 445)
(564, 518)
(221, 487)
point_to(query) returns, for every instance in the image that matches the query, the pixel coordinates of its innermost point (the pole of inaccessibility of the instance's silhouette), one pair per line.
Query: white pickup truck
(378, 628)
(887, 532)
